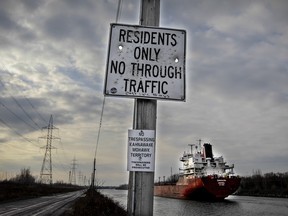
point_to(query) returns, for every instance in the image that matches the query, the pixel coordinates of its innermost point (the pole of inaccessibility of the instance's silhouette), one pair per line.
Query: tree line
(270, 184)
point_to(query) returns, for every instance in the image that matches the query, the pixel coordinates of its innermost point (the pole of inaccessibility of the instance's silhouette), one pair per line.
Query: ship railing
(164, 183)
(184, 159)
(220, 176)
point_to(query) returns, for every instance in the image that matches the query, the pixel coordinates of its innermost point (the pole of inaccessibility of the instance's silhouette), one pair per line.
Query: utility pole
(46, 170)
(69, 177)
(93, 174)
(141, 184)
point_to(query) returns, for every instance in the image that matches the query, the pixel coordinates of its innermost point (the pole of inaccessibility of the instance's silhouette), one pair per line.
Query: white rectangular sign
(146, 62)
(141, 150)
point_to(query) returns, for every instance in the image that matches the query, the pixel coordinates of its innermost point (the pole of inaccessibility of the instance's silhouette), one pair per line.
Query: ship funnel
(208, 151)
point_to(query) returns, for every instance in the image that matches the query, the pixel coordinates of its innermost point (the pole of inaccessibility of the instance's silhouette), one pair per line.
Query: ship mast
(191, 148)
(199, 145)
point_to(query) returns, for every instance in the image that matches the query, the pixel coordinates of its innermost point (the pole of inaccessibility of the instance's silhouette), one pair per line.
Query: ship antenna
(191, 147)
(199, 144)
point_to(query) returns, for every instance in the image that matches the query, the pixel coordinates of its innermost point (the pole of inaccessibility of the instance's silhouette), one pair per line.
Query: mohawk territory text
(145, 63)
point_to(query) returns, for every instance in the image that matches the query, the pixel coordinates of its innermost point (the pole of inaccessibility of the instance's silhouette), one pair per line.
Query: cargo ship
(203, 177)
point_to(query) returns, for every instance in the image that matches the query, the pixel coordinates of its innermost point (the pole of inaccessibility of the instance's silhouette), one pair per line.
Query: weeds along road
(46, 205)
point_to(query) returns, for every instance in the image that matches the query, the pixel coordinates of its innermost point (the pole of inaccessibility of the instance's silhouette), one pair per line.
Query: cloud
(54, 54)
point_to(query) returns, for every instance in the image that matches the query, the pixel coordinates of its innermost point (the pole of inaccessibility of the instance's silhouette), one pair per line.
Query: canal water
(232, 206)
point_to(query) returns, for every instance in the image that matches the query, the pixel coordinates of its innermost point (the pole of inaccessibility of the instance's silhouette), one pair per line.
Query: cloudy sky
(53, 59)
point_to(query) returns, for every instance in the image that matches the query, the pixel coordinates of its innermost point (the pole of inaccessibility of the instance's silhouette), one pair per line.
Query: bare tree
(25, 177)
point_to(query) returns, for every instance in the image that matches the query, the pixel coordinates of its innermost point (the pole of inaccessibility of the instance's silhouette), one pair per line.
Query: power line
(18, 117)
(30, 103)
(63, 166)
(35, 109)
(17, 133)
(100, 124)
(20, 106)
(103, 105)
(18, 148)
(118, 10)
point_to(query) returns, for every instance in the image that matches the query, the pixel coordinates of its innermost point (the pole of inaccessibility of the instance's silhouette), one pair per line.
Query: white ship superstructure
(199, 163)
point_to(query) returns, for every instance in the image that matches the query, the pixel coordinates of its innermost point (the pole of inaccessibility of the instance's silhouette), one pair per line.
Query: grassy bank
(94, 203)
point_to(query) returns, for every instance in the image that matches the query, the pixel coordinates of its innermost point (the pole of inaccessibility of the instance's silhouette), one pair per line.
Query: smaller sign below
(141, 150)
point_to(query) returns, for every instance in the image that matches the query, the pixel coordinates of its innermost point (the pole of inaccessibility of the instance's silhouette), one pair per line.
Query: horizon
(53, 62)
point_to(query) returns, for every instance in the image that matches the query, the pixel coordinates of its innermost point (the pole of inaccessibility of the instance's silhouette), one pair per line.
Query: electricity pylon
(46, 170)
(73, 172)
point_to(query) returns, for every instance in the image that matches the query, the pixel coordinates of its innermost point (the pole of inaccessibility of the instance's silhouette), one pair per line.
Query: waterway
(233, 205)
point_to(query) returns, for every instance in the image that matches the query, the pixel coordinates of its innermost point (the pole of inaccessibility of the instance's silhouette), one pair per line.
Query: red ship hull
(204, 188)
